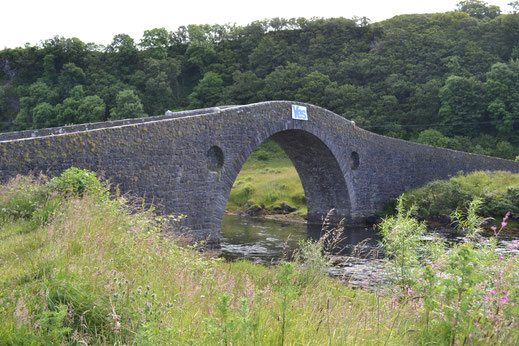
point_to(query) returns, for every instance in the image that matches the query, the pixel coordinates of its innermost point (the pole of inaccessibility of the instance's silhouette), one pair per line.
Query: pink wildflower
(493, 292)
(420, 279)
(410, 291)
(487, 298)
(493, 228)
(503, 224)
(504, 300)
(476, 324)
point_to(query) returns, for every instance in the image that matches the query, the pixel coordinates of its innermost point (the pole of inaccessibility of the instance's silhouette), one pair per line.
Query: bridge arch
(321, 175)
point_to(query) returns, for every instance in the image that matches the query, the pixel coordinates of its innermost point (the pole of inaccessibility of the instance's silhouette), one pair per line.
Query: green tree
(462, 105)
(208, 92)
(478, 9)
(127, 105)
(502, 87)
(284, 82)
(313, 89)
(434, 138)
(44, 115)
(244, 88)
(70, 76)
(37, 93)
(155, 42)
(161, 87)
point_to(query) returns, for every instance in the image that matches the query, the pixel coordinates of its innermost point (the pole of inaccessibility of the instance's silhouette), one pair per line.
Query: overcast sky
(98, 21)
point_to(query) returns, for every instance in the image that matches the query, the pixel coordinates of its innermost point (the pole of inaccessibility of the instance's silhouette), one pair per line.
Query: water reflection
(268, 241)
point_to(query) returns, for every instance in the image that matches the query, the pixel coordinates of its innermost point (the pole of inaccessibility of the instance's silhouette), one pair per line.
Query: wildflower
(420, 279)
(504, 224)
(493, 292)
(476, 324)
(410, 291)
(487, 298)
(504, 300)
(493, 228)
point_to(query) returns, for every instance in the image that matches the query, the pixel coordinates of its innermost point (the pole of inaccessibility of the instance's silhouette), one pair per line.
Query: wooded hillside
(446, 79)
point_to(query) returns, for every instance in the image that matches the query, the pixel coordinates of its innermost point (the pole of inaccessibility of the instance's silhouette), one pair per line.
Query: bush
(77, 182)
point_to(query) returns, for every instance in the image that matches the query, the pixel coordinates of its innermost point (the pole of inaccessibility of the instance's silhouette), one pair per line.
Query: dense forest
(445, 79)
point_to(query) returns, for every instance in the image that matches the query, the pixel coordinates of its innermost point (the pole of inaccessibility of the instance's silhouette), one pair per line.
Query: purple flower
(504, 300)
(493, 292)
(410, 291)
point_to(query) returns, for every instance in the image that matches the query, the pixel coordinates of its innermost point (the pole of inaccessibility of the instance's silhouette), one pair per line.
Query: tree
(43, 115)
(434, 138)
(70, 76)
(244, 88)
(313, 89)
(478, 9)
(91, 109)
(161, 87)
(208, 91)
(462, 105)
(127, 105)
(502, 88)
(284, 82)
(155, 42)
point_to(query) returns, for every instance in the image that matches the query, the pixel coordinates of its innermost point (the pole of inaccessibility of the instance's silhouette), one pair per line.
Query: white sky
(98, 21)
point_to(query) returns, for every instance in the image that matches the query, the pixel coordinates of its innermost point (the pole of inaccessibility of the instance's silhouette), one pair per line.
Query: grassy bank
(79, 267)
(268, 178)
(498, 192)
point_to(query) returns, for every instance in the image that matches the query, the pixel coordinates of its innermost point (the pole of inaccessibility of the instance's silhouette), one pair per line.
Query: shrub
(77, 182)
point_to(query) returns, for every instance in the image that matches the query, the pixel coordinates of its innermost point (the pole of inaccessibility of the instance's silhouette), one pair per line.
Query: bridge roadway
(187, 162)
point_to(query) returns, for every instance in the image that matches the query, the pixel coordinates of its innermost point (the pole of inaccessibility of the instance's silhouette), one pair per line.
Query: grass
(498, 191)
(97, 271)
(267, 178)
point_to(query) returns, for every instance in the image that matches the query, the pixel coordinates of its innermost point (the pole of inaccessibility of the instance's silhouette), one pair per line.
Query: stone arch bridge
(187, 162)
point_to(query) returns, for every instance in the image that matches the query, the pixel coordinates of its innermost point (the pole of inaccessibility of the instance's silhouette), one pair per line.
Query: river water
(270, 241)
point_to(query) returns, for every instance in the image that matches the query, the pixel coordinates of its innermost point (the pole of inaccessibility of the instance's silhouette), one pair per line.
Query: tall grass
(99, 272)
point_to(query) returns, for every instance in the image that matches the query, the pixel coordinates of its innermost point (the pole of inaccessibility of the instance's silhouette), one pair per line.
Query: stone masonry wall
(187, 163)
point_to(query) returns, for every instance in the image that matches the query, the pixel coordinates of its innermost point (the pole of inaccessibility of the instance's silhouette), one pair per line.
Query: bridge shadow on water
(268, 241)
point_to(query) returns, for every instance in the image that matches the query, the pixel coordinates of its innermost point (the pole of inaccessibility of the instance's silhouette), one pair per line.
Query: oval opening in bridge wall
(215, 159)
(355, 160)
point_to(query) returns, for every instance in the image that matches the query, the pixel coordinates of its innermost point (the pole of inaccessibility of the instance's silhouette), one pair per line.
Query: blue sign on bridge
(299, 112)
